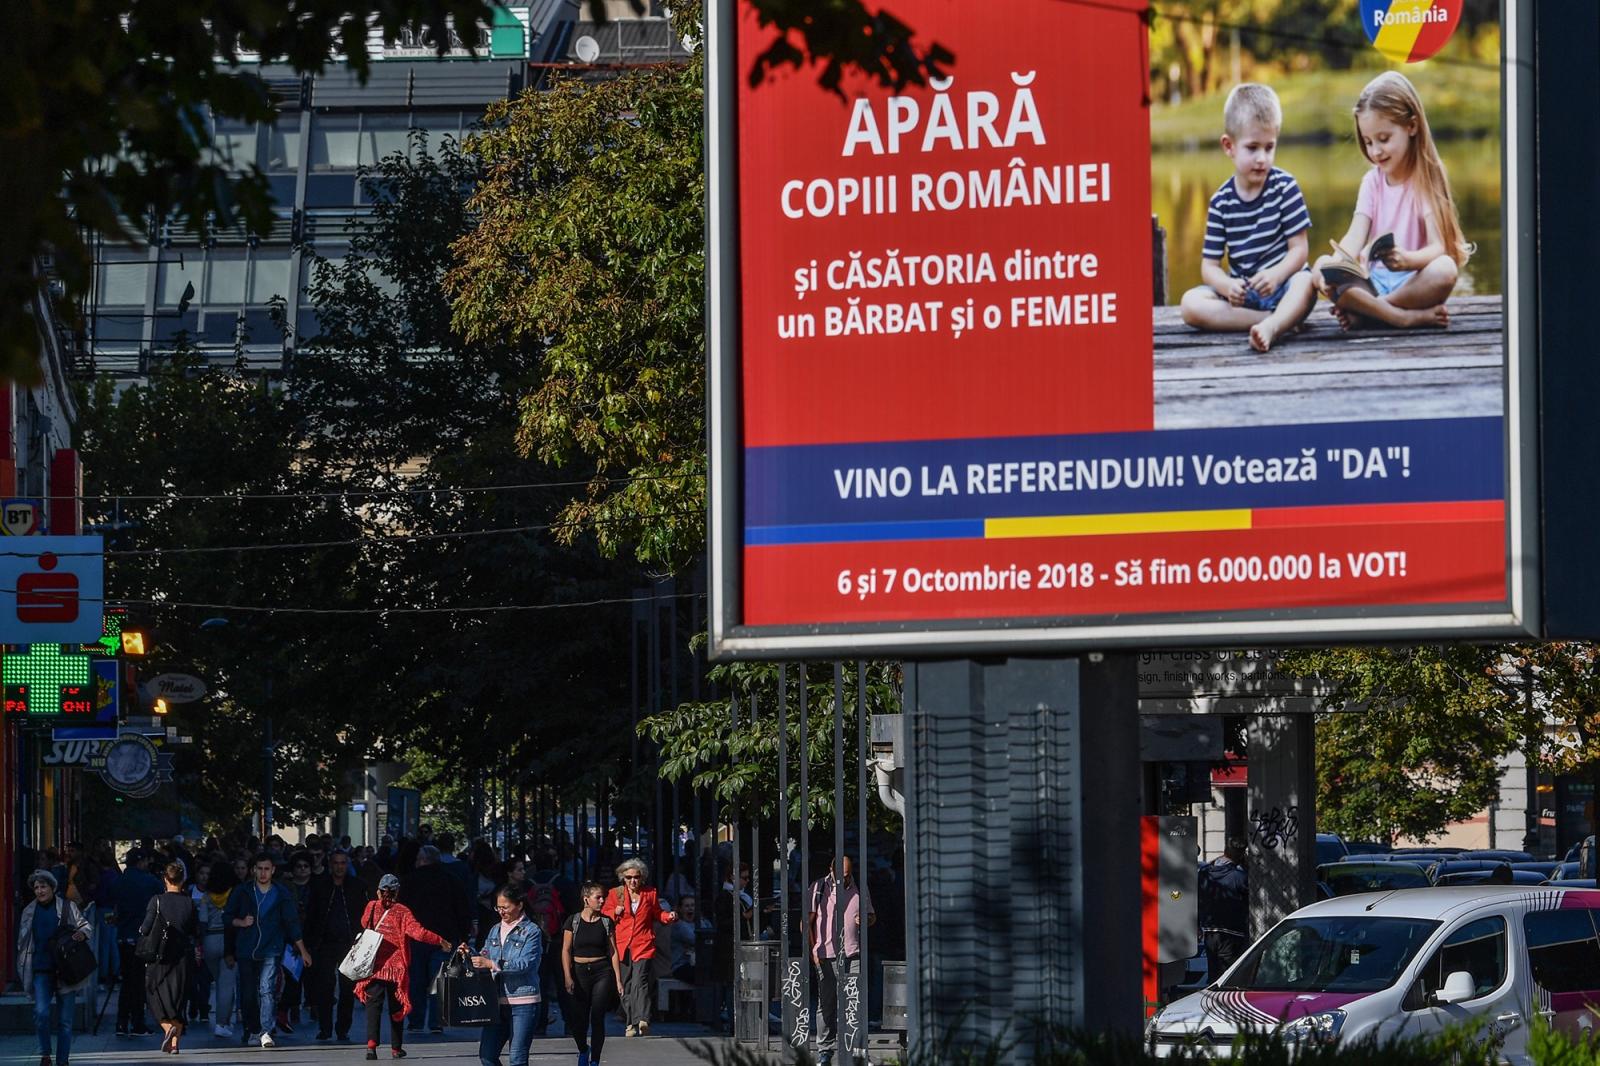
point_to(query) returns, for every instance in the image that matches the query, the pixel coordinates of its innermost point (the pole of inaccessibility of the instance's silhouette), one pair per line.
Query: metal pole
(804, 1032)
(755, 882)
(839, 1004)
(863, 984)
(733, 880)
(786, 979)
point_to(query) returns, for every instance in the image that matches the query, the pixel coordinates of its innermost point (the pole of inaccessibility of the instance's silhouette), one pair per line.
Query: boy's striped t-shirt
(1255, 234)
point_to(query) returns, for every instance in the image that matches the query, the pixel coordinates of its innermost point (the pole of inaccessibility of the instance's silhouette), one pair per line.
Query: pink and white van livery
(1407, 963)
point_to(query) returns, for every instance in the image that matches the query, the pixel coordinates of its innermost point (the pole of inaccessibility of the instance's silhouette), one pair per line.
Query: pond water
(1329, 175)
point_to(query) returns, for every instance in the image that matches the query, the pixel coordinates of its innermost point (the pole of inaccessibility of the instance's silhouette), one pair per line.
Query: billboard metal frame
(1518, 616)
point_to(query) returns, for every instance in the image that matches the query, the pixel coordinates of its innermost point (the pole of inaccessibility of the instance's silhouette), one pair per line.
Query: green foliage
(737, 761)
(1425, 726)
(588, 238)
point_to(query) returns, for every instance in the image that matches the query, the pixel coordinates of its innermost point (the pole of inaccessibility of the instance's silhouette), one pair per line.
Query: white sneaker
(644, 1027)
(267, 1041)
(223, 1031)
(632, 1030)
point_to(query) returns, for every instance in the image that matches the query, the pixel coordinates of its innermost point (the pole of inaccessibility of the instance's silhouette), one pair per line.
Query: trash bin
(754, 982)
(896, 999)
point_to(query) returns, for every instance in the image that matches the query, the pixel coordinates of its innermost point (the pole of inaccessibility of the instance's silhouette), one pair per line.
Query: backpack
(544, 908)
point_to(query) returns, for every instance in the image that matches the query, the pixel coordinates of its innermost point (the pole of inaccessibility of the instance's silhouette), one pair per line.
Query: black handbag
(468, 997)
(74, 958)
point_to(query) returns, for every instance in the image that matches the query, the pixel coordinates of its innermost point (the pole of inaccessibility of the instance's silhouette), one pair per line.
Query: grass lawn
(1461, 100)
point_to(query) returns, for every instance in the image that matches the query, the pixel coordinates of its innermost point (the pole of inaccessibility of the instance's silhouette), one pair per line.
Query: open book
(1349, 270)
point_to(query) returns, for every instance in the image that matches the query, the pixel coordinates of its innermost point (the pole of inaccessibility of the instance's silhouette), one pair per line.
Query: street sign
(175, 688)
(22, 517)
(53, 592)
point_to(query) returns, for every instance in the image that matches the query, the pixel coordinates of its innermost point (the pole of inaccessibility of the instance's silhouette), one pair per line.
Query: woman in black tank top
(593, 974)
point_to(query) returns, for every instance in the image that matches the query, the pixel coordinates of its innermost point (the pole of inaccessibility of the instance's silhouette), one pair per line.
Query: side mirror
(1458, 987)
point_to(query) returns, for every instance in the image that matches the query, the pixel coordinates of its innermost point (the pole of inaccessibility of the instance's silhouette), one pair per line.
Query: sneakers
(644, 1026)
(222, 1032)
(632, 1030)
(397, 1053)
(583, 1058)
(323, 1034)
(267, 1041)
(372, 1051)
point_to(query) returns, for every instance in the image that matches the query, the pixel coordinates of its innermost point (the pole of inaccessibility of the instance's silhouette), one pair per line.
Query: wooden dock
(1321, 374)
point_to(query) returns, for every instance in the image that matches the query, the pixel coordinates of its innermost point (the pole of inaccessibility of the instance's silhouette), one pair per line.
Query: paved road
(670, 1045)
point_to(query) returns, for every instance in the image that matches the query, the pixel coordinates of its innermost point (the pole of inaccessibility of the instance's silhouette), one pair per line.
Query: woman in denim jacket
(512, 951)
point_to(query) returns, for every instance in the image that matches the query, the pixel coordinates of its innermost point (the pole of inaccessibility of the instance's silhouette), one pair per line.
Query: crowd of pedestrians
(246, 938)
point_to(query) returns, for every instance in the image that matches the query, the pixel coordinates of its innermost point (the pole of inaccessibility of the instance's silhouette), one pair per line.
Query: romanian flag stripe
(1096, 525)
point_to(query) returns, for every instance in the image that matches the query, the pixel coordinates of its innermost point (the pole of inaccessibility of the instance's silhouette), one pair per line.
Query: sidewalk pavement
(668, 1045)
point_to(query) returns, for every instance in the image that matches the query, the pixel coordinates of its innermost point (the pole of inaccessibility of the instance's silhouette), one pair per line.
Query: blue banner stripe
(893, 482)
(855, 532)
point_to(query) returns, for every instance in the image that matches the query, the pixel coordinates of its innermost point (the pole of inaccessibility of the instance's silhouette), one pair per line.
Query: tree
(703, 744)
(1419, 730)
(220, 432)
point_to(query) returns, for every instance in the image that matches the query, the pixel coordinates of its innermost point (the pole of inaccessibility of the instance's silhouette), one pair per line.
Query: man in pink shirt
(827, 937)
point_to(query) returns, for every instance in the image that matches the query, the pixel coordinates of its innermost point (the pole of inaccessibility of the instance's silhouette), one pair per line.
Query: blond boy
(1259, 224)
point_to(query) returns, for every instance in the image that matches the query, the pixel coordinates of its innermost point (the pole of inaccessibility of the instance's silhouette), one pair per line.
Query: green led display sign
(114, 620)
(46, 681)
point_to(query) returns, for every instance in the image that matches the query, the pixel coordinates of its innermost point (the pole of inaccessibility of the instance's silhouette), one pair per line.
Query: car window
(1479, 947)
(1562, 950)
(1332, 953)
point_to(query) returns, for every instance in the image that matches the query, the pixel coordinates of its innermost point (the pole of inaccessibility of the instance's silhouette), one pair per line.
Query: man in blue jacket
(260, 918)
(135, 888)
(1225, 908)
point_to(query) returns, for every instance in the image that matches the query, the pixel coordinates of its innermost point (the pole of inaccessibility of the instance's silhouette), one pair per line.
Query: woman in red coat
(635, 909)
(391, 971)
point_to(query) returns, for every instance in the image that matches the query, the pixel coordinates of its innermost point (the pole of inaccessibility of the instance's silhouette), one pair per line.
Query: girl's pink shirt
(1393, 209)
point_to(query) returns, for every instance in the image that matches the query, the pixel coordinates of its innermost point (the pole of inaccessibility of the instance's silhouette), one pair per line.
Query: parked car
(1330, 848)
(1354, 875)
(1376, 966)
(1544, 866)
(1485, 877)
(1497, 854)
(1368, 847)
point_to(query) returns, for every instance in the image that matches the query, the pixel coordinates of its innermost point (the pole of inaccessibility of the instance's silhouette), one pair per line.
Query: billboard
(1081, 343)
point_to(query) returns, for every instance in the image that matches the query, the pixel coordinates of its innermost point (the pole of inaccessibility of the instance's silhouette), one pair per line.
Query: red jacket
(396, 925)
(636, 930)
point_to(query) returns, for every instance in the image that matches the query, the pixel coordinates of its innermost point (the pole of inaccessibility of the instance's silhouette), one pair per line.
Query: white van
(1406, 963)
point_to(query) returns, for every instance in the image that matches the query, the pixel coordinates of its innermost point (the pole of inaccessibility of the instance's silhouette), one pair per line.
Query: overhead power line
(375, 540)
(374, 494)
(267, 609)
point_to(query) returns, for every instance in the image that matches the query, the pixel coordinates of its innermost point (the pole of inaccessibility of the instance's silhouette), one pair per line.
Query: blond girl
(1406, 193)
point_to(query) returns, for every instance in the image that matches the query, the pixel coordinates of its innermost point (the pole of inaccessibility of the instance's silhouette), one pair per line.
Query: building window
(281, 152)
(384, 135)
(335, 142)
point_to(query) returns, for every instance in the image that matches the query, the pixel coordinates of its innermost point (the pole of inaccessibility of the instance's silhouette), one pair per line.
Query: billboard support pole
(1282, 818)
(1017, 775)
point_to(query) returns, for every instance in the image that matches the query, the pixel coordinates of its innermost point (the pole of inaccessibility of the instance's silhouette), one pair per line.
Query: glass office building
(327, 128)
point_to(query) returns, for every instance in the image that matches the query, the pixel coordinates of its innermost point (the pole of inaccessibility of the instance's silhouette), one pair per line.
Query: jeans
(105, 941)
(516, 1026)
(44, 990)
(258, 992)
(426, 961)
(829, 974)
(224, 980)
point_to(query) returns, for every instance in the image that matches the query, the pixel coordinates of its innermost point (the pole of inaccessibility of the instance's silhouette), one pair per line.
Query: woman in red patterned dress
(391, 971)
